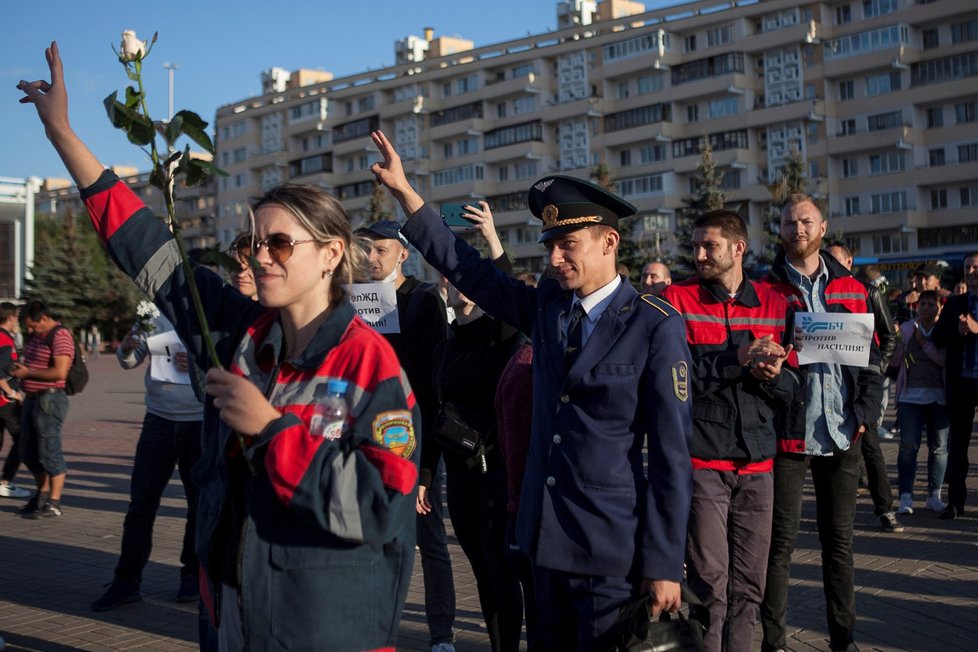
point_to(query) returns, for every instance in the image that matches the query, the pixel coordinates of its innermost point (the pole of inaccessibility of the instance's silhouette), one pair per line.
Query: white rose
(131, 47)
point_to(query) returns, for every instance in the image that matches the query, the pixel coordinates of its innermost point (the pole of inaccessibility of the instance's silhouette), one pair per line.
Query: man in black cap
(423, 326)
(927, 276)
(610, 376)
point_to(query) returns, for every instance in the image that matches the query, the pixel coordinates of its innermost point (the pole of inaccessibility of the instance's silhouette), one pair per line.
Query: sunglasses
(279, 247)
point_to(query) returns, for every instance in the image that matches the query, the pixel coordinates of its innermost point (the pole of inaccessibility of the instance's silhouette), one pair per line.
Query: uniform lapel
(552, 340)
(605, 335)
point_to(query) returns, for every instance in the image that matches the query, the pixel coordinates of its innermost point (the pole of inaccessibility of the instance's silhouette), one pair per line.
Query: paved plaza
(917, 590)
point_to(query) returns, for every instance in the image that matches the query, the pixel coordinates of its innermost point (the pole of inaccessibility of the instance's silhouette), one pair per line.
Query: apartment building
(194, 206)
(16, 234)
(880, 97)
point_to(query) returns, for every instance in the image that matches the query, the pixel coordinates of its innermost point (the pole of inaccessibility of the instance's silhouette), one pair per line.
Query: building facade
(880, 97)
(16, 234)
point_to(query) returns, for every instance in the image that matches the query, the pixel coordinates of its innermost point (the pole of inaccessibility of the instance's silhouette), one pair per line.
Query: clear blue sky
(221, 49)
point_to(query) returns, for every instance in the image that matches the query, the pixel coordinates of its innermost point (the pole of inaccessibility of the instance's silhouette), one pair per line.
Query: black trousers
(962, 401)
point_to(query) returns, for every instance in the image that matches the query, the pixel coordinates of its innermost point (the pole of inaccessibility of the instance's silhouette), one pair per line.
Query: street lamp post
(170, 67)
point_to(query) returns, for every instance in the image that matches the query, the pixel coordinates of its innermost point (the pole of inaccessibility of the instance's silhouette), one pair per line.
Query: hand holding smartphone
(454, 214)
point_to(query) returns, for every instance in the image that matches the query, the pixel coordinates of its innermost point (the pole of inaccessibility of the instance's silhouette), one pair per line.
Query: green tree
(707, 196)
(379, 207)
(628, 251)
(73, 276)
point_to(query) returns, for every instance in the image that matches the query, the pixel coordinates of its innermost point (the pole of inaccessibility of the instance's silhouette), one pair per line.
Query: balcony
(861, 141)
(942, 175)
(525, 149)
(591, 106)
(661, 131)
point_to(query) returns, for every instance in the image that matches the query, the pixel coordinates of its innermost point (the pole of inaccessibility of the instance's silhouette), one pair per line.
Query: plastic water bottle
(329, 418)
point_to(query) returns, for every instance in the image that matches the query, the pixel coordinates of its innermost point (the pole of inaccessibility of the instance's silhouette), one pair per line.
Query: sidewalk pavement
(917, 590)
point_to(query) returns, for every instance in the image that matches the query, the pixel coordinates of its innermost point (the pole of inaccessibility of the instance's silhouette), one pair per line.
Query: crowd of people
(595, 442)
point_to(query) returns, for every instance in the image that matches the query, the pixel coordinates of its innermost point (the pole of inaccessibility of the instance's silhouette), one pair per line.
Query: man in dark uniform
(424, 325)
(610, 376)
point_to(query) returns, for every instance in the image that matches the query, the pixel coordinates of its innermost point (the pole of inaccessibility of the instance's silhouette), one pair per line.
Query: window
(446, 89)
(966, 112)
(621, 90)
(935, 117)
(447, 150)
(870, 41)
(888, 202)
(891, 243)
(968, 153)
(847, 127)
(931, 39)
(649, 84)
(969, 196)
(693, 113)
(511, 135)
(501, 110)
(963, 32)
(651, 153)
(638, 186)
(239, 129)
(636, 46)
(639, 117)
(625, 158)
(730, 180)
(466, 173)
(719, 36)
(843, 15)
(466, 84)
(850, 167)
(522, 105)
(846, 90)
(874, 8)
(456, 114)
(311, 165)
(881, 121)
(502, 173)
(356, 129)
(722, 108)
(722, 64)
(951, 68)
(938, 199)
(852, 206)
(239, 155)
(886, 163)
(880, 84)
(522, 70)
(689, 43)
(525, 170)
(935, 157)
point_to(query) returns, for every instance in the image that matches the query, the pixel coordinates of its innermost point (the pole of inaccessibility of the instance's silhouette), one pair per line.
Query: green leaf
(158, 177)
(195, 174)
(184, 166)
(141, 132)
(173, 129)
(220, 259)
(171, 158)
(209, 168)
(133, 97)
(194, 127)
(118, 119)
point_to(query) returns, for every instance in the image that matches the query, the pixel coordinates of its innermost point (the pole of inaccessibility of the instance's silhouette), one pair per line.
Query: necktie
(972, 342)
(575, 335)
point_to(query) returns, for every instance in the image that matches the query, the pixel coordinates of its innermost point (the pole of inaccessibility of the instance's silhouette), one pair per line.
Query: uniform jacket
(733, 412)
(586, 504)
(843, 293)
(325, 528)
(946, 335)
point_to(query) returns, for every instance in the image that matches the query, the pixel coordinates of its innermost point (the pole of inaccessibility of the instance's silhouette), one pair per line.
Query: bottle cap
(336, 386)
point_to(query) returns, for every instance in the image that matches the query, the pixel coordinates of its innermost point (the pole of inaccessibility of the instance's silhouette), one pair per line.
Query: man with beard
(422, 318)
(957, 332)
(841, 403)
(737, 334)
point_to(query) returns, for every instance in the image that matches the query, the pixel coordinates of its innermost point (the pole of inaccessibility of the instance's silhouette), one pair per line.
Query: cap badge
(543, 185)
(550, 214)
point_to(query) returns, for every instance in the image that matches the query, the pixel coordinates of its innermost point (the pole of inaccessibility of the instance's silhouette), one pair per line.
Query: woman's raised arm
(51, 101)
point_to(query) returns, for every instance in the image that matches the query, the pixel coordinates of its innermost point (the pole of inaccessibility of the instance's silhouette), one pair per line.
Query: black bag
(78, 372)
(671, 633)
(453, 434)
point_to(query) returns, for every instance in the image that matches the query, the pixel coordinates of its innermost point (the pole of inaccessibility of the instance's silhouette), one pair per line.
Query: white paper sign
(833, 337)
(376, 303)
(162, 366)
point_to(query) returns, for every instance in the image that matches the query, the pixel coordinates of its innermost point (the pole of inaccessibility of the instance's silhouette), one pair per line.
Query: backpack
(78, 372)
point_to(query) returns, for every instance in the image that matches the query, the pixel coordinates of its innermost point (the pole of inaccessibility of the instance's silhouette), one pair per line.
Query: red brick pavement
(916, 591)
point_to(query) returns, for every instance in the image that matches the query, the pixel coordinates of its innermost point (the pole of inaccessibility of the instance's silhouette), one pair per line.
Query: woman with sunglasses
(306, 541)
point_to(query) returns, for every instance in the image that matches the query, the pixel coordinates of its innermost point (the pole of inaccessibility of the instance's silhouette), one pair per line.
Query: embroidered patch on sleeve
(395, 431)
(680, 380)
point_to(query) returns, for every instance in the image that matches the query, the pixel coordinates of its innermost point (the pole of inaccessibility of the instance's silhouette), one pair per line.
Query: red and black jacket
(734, 414)
(843, 293)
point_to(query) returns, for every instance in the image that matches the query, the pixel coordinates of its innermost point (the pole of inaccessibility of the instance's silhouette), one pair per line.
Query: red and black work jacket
(734, 414)
(843, 293)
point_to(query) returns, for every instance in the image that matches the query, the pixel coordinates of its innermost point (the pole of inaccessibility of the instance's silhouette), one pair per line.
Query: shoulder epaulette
(659, 304)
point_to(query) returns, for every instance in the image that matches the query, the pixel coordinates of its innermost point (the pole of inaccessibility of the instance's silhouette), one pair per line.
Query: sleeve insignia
(680, 380)
(394, 431)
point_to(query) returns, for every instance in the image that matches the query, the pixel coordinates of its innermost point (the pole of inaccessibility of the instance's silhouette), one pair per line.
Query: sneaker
(50, 510)
(885, 434)
(10, 490)
(951, 512)
(443, 647)
(27, 511)
(189, 591)
(890, 523)
(935, 504)
(120, 592)
(906, 504)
